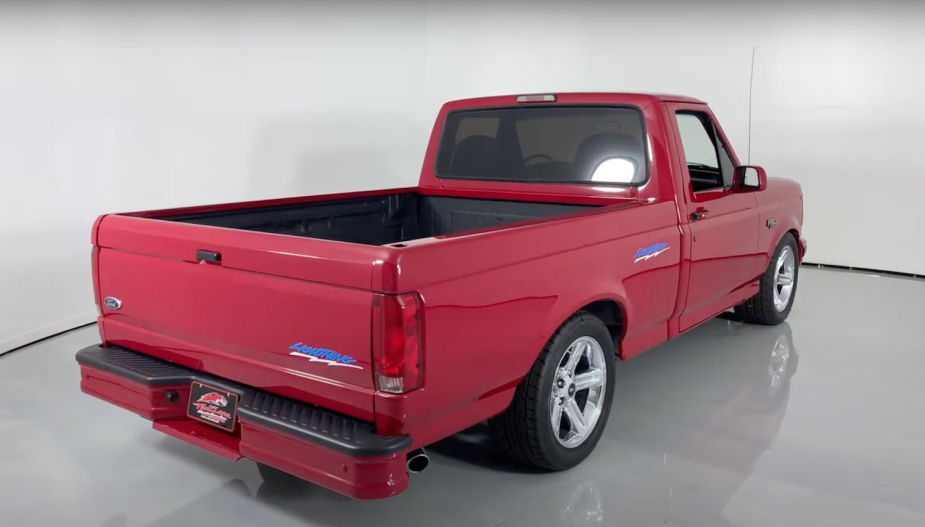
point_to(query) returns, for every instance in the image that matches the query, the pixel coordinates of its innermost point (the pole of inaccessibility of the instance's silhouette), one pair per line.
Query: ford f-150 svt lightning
(331, 338)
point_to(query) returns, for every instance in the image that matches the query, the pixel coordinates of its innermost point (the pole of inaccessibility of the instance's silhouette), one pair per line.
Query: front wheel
(561, 407)
(777, 289)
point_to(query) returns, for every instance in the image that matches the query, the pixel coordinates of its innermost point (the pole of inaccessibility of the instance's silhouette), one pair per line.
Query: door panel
(723, 222)
(723, 243)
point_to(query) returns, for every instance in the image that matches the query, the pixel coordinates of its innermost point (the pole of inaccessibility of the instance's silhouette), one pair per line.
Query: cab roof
(634, 98)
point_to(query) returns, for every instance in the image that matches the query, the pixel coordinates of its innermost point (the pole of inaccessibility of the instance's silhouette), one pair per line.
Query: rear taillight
(397, 342)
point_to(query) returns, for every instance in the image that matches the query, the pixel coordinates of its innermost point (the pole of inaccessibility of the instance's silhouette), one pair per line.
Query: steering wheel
(538, 156)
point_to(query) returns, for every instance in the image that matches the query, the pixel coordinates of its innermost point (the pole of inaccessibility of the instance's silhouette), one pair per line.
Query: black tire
(760, 308)
(524, 429)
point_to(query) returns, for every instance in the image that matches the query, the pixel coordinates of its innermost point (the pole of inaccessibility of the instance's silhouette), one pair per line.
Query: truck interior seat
(476, 156)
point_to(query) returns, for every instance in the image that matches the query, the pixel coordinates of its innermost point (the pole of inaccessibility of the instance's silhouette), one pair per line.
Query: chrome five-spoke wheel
(560, 408)
(784, 278)
(578, 392)
(777, 287)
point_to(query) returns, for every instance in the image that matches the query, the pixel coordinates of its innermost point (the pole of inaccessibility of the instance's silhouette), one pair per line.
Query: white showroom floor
(815, 422)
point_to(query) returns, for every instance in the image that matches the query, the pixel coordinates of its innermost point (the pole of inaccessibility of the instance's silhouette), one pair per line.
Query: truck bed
(261, 301)
(380, 220)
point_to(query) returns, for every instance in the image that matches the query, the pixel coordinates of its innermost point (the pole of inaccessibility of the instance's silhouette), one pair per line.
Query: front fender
(780, 210)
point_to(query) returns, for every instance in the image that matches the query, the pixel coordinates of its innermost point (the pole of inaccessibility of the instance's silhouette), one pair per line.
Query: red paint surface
(491, 298)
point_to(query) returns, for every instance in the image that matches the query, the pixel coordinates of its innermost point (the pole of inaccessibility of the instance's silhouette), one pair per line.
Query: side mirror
(751, 178)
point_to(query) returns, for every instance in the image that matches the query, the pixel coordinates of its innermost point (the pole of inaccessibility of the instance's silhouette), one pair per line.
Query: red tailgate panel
(242, 326)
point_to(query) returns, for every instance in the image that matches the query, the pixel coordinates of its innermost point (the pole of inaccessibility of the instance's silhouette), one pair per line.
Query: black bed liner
(303, 421)
(381, 220)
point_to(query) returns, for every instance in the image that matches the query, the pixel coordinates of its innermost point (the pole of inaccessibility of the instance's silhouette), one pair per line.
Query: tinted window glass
(543, 144)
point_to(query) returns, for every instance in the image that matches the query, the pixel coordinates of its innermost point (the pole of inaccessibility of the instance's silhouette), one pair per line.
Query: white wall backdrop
(106, 110)
(837, 106)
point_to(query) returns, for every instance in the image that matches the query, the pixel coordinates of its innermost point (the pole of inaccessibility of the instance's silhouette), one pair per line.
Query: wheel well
(611, 314)
(796, 238)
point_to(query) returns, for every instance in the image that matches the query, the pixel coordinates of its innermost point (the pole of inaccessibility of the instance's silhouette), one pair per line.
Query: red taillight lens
(397, 342)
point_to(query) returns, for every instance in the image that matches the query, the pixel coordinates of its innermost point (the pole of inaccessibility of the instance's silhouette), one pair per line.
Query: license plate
(213, 406)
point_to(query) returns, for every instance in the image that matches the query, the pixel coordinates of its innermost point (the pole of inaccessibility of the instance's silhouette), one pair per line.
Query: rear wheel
(561, 407)
(778, 287)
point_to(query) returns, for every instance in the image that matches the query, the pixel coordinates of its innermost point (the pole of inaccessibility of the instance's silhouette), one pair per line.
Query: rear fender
(567, 307)
(560, 312)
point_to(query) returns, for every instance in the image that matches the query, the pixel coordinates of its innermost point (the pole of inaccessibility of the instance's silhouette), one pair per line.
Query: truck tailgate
(287, 315)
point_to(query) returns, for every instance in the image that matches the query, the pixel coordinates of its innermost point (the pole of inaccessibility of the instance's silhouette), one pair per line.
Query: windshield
(545, 144)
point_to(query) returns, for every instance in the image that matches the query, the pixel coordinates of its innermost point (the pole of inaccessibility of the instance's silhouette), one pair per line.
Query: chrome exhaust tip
(417, 461)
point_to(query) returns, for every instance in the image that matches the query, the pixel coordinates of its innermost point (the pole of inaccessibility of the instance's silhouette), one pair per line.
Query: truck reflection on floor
(690, 420)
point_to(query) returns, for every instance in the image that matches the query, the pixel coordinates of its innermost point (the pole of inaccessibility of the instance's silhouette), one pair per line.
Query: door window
(708, 161)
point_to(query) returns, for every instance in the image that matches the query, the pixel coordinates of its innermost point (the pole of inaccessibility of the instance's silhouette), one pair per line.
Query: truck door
(722, 223)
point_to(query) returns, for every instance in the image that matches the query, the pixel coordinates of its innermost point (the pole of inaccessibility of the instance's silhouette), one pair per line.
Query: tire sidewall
(590, 326)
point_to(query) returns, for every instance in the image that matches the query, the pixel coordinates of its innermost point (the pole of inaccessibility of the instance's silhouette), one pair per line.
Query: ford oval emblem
(112, 303)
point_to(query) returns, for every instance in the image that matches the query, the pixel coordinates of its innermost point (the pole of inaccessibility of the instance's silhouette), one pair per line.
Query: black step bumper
(302, 421)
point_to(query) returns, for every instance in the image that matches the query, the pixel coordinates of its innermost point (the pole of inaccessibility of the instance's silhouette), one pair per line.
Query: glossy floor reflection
(815, 422)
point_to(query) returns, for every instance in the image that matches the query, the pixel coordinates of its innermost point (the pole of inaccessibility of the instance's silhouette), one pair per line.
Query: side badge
(772, 222)
(331, 358)
(112, 303)
(650, 252)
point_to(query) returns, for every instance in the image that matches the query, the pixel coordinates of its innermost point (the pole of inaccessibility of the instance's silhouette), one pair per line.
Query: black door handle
(209, 256)
(698, 215)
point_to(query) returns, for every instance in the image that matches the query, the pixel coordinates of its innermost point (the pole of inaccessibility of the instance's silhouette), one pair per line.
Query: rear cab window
(562, 144)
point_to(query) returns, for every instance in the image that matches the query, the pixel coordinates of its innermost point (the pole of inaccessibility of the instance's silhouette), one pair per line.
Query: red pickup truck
(331, 338)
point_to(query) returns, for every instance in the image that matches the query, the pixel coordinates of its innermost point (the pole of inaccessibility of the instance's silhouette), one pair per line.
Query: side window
(708, 163)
